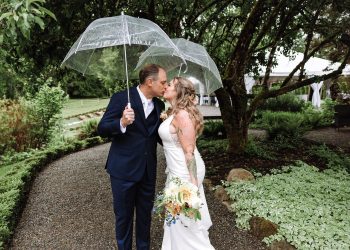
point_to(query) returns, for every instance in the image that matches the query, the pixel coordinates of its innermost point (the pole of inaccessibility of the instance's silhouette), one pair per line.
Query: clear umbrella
(112, 45)
(199, 64)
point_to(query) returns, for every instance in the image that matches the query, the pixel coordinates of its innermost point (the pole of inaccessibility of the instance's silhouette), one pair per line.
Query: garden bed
(219, 164)
(293, 180)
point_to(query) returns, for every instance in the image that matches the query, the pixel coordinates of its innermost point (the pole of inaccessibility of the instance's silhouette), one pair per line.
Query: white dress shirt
(148, 107)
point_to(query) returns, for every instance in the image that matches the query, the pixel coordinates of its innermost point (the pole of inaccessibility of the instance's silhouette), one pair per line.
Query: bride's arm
(187, 137)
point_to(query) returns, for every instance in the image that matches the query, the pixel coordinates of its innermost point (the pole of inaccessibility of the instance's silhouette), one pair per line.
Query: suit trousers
(128, 196)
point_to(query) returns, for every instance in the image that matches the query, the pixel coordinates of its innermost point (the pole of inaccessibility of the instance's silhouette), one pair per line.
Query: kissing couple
(132, 158)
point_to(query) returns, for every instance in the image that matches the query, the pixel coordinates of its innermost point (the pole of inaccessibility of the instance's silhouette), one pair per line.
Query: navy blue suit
(131, 163)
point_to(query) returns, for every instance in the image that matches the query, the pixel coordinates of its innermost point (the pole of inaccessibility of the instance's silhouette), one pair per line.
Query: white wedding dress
(185, 234)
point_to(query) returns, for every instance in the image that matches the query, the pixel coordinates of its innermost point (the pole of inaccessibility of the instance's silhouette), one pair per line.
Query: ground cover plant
(310, 207)
(261, 156)
(312, 192)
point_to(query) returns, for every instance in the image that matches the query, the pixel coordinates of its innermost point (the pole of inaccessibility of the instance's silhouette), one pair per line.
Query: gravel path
(70, 207)
(70, 203)
(335, 137)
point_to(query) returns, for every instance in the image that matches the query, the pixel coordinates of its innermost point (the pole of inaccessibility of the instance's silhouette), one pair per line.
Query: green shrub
(284, 124)
(88, 129)
(30, 124)
(314, 118)
(45, 109)
(15, 126)
(77, 85)
(15, 179)
(328, 111)
(212, 146)
(257, 149)
(214, 129)
(311, 208)
(287, 102)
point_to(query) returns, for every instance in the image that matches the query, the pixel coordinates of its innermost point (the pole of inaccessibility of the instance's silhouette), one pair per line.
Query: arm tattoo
(190, 159)
(192, 167)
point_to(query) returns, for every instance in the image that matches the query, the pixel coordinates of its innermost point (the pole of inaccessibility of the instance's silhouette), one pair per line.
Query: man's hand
(128, 117)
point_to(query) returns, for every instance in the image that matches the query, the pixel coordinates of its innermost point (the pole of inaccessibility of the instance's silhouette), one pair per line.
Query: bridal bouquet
(178, 198)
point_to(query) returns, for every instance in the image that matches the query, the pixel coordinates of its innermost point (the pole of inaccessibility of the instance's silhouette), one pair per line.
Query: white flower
(179, 198)
(163, 115)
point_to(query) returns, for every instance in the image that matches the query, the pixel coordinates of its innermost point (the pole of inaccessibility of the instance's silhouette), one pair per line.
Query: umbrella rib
(125, 28)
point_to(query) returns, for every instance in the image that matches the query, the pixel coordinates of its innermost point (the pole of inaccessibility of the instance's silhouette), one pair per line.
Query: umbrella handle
(129, 105)
(178, 74)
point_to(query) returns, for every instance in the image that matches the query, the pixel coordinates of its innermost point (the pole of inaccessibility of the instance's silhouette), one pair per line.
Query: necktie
(149, 108)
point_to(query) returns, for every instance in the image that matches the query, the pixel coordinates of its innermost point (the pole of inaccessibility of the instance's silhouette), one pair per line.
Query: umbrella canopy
(112, 45)
(199, 64)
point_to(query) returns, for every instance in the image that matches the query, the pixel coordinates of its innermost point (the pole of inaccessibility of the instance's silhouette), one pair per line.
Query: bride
(178, 133)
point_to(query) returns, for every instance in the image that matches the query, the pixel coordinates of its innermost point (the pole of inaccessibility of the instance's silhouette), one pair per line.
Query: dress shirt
(147, 104)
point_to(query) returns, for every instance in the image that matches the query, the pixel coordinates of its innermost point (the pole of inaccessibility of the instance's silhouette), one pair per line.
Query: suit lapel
(157, 109)
(137, 105)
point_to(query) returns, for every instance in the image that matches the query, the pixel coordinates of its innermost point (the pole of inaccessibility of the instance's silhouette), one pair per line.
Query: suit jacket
(133, 152)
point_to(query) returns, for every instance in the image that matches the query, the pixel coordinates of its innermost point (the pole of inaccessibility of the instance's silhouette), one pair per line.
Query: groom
(132, 158)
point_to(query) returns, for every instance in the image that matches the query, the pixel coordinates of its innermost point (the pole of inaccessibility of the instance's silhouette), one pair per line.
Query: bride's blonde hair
(186, 99)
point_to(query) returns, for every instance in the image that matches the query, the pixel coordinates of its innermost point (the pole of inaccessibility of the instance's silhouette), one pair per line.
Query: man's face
(159, 85)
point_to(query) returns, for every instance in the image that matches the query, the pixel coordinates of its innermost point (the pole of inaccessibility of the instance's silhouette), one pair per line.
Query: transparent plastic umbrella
(113, 45)
(199, 64)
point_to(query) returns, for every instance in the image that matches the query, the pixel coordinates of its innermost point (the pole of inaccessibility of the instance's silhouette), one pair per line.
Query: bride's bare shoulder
(182, 119)
(182, 115)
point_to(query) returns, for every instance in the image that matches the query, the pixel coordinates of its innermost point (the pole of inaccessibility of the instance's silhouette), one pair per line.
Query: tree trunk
(237, 139)
(234, 118)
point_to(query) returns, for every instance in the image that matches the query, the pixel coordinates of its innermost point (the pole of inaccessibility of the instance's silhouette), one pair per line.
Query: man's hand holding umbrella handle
(128, 117)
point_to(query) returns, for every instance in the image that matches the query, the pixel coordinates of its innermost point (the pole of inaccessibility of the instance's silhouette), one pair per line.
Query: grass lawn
(75, 107)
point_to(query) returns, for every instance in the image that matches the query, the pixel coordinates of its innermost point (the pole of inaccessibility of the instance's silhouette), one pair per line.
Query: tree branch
(241, 50)
(260, 98)
(266, 26)
(302, 63)
(281, 30)
(211, 18)
(204, 9)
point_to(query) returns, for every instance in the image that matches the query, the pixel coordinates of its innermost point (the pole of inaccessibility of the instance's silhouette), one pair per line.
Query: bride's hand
(194, 181)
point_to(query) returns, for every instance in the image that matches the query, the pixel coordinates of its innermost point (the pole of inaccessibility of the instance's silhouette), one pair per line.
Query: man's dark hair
(150, 70)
